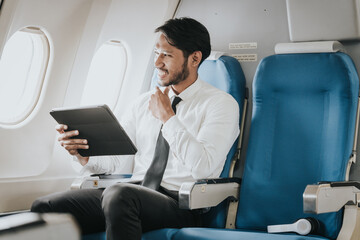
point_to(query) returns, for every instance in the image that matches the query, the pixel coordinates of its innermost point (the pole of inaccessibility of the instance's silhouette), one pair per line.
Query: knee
(119, 199)
(41, 205)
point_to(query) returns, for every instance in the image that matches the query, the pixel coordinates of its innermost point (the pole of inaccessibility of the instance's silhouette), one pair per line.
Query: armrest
(208, 192)
(330, 197)
(96, 181)
(55, 226)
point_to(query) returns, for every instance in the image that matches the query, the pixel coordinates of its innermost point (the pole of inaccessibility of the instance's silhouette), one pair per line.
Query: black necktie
(156, 170)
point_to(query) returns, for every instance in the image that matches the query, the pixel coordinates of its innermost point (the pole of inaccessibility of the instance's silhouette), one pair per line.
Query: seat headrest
(309, 47)
(215, 55)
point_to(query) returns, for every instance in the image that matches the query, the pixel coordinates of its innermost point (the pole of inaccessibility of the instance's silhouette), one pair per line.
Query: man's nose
(158, 61)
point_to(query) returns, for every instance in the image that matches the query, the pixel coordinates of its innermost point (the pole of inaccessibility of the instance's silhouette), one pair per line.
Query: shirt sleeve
(207, 151)
(109, 164)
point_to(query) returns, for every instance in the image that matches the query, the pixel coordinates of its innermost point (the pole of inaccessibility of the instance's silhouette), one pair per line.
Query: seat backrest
(225, 73)
(302, 132)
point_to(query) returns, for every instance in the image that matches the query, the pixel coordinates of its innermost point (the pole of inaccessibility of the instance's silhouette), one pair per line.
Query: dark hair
(188, 35)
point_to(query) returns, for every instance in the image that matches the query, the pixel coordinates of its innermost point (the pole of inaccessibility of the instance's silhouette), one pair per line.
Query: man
(198, 136)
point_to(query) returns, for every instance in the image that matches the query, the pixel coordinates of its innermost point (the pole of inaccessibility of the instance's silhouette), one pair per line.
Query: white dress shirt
(200, 135)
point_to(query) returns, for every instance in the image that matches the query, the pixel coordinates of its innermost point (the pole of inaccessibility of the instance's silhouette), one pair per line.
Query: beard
(178, 76)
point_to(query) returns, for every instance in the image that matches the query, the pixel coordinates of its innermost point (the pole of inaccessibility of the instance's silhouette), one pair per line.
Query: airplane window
(105, 75)
(23, 65)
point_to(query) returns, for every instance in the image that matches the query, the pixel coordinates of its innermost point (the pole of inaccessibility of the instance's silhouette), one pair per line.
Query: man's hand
(160, 105)
(70, 144)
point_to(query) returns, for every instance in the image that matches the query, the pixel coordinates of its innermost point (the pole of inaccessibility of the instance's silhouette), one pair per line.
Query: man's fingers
(75, 147)
(61, 128)
(68, 134)
(72, 145)
(73, 141)
(73, 152)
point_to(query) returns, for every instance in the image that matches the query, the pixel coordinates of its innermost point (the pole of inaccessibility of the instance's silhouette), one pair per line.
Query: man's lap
(157, 210)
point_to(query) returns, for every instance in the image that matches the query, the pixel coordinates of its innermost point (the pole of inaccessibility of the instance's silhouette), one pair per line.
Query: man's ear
(195, 58)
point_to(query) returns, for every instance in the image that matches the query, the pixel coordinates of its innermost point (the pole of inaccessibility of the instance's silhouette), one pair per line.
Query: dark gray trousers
(124, 210)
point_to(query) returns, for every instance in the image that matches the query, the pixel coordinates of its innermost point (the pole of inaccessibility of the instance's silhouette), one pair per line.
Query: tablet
(99, 126)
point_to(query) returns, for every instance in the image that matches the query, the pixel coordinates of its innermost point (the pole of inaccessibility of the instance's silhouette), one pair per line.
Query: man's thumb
(166, 91)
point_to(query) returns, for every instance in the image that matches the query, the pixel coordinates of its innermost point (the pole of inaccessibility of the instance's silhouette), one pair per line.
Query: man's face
(170, 62)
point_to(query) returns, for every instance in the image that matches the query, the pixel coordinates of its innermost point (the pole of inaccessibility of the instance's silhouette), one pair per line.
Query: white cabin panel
(27, 166)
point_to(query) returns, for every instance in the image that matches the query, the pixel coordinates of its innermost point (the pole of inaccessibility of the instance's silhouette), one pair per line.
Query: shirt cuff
(170, 128)
(89, 165)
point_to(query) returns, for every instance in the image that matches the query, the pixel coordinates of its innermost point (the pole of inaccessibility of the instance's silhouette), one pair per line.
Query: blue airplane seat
(302, 132)
(225, 73)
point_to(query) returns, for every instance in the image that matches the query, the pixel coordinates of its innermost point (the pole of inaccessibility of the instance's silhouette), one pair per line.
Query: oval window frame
(121, 75)
(43, 45)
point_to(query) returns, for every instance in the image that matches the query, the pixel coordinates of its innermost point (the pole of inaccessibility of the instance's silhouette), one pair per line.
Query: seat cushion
(163, 234)
(225, 234)
(94, 236)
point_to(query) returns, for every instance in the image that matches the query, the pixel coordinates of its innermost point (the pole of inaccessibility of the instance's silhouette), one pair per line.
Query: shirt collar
(188, 92)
